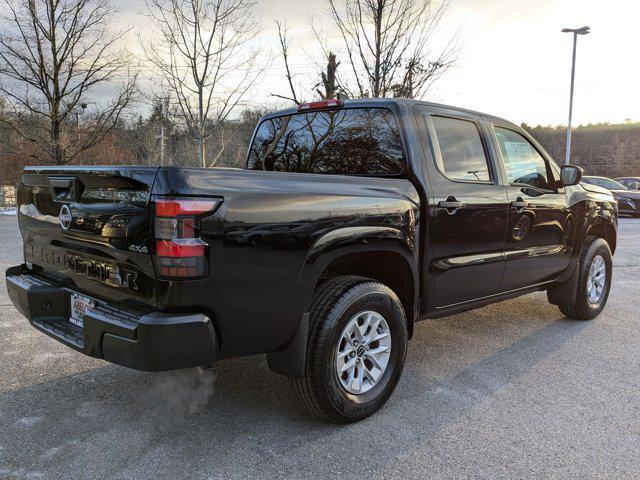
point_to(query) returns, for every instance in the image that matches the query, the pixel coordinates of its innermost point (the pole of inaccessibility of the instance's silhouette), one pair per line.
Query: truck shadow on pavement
(114, 422)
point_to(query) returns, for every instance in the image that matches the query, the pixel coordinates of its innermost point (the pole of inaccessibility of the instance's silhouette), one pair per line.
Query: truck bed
(267, 242)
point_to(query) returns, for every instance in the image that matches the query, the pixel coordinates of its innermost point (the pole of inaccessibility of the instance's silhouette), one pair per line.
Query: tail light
(179, 250)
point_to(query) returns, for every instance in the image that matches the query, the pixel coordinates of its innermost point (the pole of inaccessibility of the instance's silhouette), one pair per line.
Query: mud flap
(291, 360)
(565, 293)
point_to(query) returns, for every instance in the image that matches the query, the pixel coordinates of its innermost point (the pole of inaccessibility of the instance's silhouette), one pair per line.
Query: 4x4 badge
(65, 217)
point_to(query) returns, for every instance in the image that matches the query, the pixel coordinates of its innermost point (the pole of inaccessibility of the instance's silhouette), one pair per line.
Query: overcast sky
(514, 61)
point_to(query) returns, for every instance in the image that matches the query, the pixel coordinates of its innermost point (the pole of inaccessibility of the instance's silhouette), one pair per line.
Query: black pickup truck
(351, 221)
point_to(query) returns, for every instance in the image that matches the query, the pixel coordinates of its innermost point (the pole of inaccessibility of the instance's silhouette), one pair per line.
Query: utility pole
(164, 109)
(161, 138)
(409, 92)
(77, 112)
(576, 32)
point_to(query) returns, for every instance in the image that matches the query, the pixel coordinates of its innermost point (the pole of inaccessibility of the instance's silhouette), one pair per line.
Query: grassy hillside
(611, 150)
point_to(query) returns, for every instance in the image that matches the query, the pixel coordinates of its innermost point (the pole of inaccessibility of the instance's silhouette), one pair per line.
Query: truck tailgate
(90, 225)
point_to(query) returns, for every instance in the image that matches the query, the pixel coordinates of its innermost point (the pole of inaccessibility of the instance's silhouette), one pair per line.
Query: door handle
(519, 204)
(450, 204)
(65, 189)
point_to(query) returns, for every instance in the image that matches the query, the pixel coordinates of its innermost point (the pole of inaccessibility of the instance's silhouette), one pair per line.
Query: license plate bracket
(80, 305)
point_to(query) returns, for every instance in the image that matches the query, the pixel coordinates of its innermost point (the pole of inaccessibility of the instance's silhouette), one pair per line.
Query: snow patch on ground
(8, 211)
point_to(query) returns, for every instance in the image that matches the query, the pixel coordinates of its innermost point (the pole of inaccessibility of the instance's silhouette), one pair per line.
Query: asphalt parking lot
(513, 390)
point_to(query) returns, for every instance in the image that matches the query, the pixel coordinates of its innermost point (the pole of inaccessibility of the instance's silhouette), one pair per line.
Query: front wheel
(594, 281)
(356, 349)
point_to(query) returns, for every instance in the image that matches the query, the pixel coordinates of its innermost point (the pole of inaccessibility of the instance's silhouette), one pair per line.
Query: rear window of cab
(347, 141)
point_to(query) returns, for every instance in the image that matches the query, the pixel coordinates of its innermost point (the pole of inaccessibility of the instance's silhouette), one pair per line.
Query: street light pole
(77, 113)
(576, 32)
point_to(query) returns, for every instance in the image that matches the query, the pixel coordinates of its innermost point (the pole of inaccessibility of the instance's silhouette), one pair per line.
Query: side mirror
(570, 175)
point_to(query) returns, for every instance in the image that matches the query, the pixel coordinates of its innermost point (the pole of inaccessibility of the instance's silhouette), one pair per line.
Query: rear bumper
(151, 341)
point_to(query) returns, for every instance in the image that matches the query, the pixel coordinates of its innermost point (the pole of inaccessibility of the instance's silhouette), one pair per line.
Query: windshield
(605, 183)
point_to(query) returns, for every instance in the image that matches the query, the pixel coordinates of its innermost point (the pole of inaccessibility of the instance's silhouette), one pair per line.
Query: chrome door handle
(451, 205)
(519, 204)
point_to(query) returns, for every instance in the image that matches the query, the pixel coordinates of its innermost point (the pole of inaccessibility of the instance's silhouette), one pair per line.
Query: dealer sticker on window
(80, 305)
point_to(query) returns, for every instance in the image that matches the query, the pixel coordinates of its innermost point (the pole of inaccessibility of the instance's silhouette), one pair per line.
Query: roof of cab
(365, 102)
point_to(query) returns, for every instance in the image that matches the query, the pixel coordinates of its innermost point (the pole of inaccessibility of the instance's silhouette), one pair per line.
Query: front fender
(590, 208)
(590, 211)
(599, 219)
(597, 216)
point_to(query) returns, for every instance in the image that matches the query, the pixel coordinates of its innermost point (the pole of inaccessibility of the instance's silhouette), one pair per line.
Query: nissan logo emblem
(65, 217)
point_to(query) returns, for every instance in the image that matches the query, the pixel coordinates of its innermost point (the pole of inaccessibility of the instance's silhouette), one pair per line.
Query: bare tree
(284, 48)
(619, 150)
(201, 51)
(387, 45)
(327, 87)
(54, 55)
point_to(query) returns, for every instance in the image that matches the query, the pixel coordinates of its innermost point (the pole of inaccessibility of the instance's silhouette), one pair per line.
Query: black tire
(336, 302)
(582, 308)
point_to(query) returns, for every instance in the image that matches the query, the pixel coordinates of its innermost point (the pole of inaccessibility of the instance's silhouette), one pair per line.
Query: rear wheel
(594, 281)
(356, 349)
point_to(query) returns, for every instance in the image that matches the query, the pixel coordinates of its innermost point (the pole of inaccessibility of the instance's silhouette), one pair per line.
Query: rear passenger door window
(461, 152)
(523, 163)
(349, 141)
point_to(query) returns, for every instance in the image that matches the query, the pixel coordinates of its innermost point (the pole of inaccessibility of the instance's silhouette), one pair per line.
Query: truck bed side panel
(260, 239)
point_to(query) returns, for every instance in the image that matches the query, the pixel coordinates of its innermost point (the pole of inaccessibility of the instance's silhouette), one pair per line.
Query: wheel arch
(383, 253)
(565, 290)
(606, 230)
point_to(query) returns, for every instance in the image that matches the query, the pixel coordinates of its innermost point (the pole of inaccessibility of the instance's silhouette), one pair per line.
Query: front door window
(524, 165)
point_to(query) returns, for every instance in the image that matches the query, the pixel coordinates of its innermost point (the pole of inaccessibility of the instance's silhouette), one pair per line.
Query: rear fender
(326, 250)
(351, 240)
